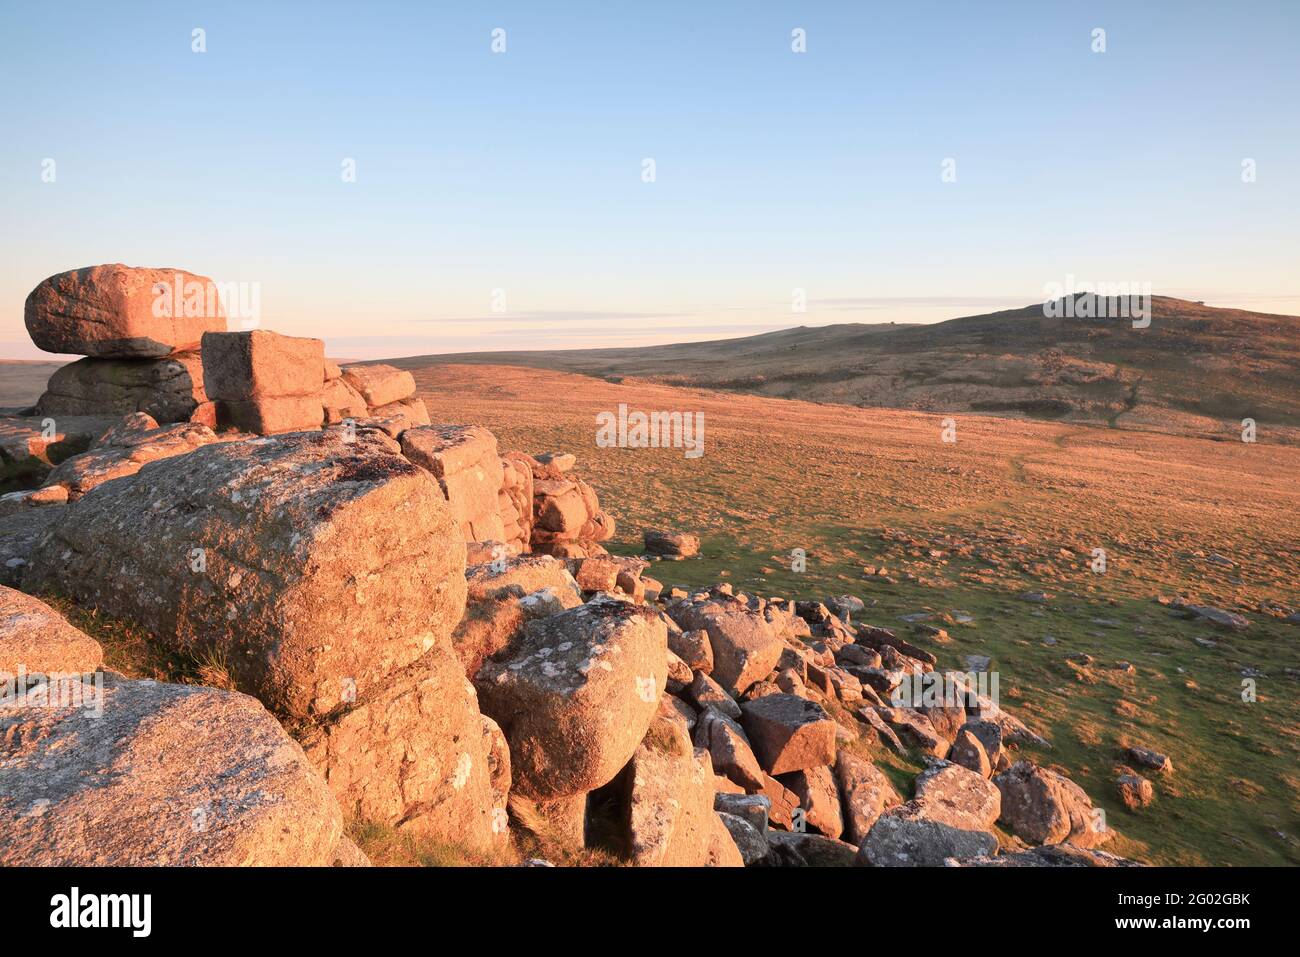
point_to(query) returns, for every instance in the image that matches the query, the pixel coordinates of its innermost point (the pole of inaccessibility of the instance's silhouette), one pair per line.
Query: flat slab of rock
(1219, 617)
(789, 733)
(38, 640)
(663, 542)
(1053, 855)
(306, 561)
(116, 311)
(522, 575)
(380, 384)
(125, 449)
(576, 695)
(168, 388)
(919, 834)
(165, 775)
(396, 417)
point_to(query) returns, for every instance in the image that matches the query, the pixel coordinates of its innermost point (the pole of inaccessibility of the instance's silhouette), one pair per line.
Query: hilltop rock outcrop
(567, 520)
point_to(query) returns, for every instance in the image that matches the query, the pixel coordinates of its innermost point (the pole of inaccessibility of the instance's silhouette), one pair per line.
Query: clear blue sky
(522, 171)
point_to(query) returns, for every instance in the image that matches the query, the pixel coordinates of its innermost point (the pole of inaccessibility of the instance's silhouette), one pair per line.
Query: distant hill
(23, 380)
(1196, 369)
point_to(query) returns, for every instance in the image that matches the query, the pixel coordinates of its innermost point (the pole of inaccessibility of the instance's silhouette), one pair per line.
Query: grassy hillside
(961, 532)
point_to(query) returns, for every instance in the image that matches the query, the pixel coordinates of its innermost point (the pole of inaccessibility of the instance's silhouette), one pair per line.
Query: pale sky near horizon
(522, 171)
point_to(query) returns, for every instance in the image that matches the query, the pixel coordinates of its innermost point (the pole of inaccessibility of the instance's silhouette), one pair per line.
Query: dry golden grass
(963, 530)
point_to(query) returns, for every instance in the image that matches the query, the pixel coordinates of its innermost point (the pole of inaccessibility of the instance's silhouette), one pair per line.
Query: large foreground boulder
(307, 563)
(169, 388)
(160, 775)
(20, 531)
(117, 311)
(576, 694)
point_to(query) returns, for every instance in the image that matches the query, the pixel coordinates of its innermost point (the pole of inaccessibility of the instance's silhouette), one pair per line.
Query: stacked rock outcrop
(368, 589)
(515, 500)
(140, 335)
(389, 395)
(567, 520)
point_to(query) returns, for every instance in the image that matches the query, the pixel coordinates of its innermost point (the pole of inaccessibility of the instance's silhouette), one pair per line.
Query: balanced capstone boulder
(117, 311)
(307, 563)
